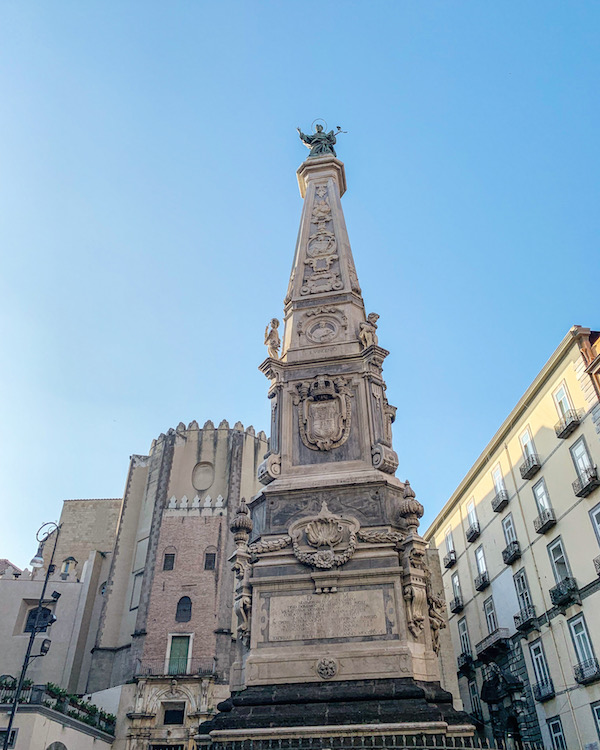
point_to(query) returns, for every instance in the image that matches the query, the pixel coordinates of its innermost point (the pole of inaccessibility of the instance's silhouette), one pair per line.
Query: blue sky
(149, 210)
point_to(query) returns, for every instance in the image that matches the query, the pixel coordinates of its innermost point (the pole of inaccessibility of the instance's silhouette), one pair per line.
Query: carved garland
(380, 537)
(326, 558)
(269, 545)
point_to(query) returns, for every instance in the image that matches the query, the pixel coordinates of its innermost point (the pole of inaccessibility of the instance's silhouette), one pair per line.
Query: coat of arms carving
(324, 412)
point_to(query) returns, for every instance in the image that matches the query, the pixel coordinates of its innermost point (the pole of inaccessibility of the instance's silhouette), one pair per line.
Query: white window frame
(557, 737)
(596, 714)
(585, 465)
(557, 402)
(471, 512)
(527, 445)
(456, 586)
(542, 501)
(170, 637)
(474, 698)
(587, 652)
(554, 544)
(480, 560)
(498, 479)
(449, 540)
(490, 614)
(522, 590)
(539, 663)
(508, 527)
(463, 636)
(595, 519)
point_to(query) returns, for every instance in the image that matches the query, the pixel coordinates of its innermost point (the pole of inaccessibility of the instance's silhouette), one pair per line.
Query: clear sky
(149, 210)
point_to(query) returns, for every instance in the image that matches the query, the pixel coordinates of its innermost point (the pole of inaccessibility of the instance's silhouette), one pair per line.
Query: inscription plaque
(346, 614)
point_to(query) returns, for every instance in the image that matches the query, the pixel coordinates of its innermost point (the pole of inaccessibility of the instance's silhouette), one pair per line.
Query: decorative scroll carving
(437, 619)
(241, 526)
(415, 598)
(384, 458)
(269, 545)
(368, 331)
(374, 536)
(321, 249)
(324, 412)
(335, 538)
(327, 668)
(269, 469)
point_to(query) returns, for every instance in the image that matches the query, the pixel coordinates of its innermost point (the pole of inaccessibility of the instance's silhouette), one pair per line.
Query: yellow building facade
(519, 544)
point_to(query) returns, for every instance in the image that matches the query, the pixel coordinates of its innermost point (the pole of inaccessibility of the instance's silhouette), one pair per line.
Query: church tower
(338, 616)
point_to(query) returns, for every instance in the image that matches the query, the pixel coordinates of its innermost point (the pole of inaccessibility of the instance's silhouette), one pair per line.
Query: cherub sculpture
(368, 331)
(272, 340)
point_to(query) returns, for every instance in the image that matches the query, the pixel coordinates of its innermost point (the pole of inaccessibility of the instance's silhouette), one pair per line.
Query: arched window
(169, 558)
(57, 746)
(210, 558)
(184, 609)
(42, 623)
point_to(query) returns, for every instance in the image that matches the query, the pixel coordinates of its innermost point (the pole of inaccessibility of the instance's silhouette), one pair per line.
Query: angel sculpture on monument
(272, 340)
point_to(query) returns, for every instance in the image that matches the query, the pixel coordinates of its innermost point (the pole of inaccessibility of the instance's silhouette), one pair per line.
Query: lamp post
(37, 562)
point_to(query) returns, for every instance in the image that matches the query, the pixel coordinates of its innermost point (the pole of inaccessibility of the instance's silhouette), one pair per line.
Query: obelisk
(337, 621)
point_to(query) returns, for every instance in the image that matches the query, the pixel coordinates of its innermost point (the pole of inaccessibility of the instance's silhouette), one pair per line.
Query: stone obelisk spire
(338, 620)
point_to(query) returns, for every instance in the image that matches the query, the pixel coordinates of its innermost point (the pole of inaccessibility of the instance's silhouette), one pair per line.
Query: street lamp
(37, 562)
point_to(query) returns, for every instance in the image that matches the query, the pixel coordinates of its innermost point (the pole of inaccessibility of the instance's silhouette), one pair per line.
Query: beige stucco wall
(39, 728)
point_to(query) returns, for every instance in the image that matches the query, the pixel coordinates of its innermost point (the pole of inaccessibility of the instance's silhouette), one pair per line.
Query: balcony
(500, 501)
(450, 559)
(587, 671)
(565, 593)
(546, 520)
(465, 662)
(495, 643)
(586, 482)
(567, 424)
(456, 604)
(511, 552)
(526, 619)
(175, 667)
(473, 531)
(482, 581)
(544, 690)
(530, 466)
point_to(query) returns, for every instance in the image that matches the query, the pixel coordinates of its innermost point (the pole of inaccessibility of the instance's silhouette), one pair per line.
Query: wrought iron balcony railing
(546, 520)
(526, 620)
(586, 482)
(450, 559)
(530, 466)
(464, 661)
(177, 666)
(587, 671)
(473, 531)
(544, 690)
(482, 581)
(567, 424)
(500, 501)
(456, 604)
(493, 644)
(565, 592)
(511, 552)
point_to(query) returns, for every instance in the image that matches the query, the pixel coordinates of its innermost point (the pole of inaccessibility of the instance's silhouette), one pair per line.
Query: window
(562, 400)
(456, 586)
(169, 561)
(595, 516)
(210, 560)
(581, 639)
(581, 458)
(42, 623)
(471, 515)
(174, 713)
(558, 559)
(480, 560)
(13, 736)
(474, 696)
(522, 589)
(540, 665)
(527, 445)
(184, 609)
(178, 654)
(508, 527)
(556, 734)
(449, 541)
(541, 496)
(102, 589)
(136, 591)
(498, 480)
(596, 711)
(490, 614)
(68, 565)
(463, 635)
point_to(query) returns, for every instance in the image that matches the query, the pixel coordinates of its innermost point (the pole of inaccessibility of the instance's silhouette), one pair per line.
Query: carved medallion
(327, 668)
(324, 412)
(334, 538)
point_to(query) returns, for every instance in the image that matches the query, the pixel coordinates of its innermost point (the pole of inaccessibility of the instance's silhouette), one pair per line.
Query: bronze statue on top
(320, 143)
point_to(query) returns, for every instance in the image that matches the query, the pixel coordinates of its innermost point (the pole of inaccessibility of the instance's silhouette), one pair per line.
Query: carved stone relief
(269, 469)
(415, 598)
(324, 412)
(327, 668)
(321, 275)
(322, 325)
(324, 541)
